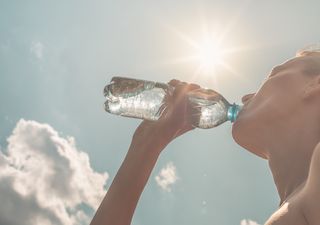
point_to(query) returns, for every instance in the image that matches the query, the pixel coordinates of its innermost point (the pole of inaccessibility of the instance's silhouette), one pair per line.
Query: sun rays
(209, 50)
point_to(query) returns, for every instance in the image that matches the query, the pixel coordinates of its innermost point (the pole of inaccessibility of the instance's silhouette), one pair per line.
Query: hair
(313, 67)
(308, 50)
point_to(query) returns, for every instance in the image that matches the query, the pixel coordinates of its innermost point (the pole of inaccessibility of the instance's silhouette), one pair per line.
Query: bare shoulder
(311, 192)
(290, 212)
(302, 208)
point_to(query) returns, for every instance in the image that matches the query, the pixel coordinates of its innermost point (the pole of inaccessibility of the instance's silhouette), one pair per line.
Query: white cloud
(37, 49)
(45, 179)
(167, 177)
(248, 222)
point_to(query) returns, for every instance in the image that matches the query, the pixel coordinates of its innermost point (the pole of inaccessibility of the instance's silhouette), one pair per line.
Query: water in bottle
(147, 100)
(210, 109)
(136, 98)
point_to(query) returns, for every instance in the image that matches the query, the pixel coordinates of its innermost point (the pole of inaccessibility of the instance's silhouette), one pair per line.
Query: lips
(241, 111)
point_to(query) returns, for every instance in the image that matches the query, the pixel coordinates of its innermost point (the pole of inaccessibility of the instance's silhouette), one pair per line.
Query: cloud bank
(167, 177)
(45, 179)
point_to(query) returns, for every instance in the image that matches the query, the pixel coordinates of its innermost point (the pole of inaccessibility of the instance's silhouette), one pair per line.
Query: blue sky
(56, 57)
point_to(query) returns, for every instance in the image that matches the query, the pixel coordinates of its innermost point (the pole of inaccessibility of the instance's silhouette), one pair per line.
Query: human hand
(173, 122)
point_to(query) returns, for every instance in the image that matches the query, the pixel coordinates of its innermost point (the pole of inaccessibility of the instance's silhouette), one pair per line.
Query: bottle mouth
(233, 112)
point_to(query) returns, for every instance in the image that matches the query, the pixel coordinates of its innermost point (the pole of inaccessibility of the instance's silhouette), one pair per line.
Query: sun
(209, 54)
(208, 51)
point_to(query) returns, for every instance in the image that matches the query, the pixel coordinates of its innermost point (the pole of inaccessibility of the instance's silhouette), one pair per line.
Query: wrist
(151, 142)
(152, 136)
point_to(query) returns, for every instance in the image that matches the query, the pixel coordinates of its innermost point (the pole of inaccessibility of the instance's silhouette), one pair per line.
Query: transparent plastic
(209, 109)
(136, 98)
(148, 100)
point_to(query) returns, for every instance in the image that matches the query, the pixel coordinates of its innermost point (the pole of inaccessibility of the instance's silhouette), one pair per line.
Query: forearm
(118, 206)
(149, 139)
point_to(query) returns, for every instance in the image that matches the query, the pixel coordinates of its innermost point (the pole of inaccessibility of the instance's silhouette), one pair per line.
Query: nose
(245, 98)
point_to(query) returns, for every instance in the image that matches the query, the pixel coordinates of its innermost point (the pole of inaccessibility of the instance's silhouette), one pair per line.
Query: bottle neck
(233, 111)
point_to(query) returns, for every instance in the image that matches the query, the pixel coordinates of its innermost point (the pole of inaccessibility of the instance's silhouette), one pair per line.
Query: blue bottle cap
(233, 111)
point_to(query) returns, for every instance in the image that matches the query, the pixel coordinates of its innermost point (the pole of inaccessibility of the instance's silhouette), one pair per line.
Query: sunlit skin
(279, 123)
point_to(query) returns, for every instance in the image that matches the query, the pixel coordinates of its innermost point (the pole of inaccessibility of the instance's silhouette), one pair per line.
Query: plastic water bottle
(147, 100)
(210, 109)
(136, 98)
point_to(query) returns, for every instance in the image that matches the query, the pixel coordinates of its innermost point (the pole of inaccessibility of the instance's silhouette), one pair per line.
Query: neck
(290, 156)
(290, 178)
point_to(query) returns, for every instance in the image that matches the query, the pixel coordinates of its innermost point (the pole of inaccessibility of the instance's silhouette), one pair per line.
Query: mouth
(241, 111)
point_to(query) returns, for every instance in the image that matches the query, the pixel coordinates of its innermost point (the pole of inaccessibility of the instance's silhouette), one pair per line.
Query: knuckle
(173, 82)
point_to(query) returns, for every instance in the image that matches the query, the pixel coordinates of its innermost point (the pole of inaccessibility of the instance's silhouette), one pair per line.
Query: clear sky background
(55, 59)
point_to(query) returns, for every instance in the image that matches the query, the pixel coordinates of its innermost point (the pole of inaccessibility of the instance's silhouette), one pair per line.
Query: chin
(236, 132)
(245, 134)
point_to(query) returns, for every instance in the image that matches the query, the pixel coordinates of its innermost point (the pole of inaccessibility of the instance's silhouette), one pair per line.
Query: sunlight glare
(209, 55)
(208, 51)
